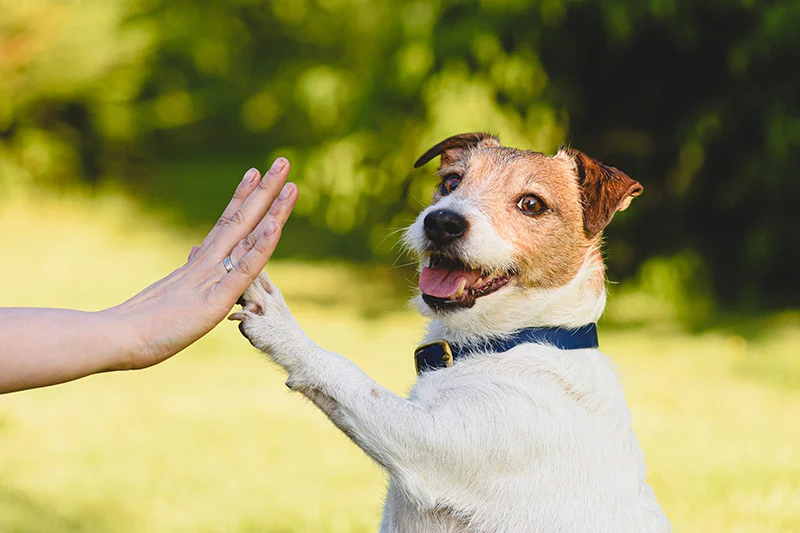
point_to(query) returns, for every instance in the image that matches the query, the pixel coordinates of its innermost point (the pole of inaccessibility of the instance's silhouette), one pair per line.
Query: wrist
(131, 351)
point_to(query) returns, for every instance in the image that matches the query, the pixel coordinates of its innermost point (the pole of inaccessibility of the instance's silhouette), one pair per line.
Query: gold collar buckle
(433, 356)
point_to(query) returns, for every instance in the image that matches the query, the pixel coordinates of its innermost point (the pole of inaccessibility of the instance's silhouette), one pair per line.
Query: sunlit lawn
(212, 440)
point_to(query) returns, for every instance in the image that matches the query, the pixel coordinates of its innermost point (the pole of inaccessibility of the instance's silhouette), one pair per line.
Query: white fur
(512, 307)
(535, 439)
(480, 246)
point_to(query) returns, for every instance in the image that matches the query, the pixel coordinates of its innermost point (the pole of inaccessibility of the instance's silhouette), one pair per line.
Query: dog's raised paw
(264, 316)
(256, 299)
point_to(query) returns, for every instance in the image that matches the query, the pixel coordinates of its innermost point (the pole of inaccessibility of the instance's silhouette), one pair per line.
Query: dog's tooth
(461, 287)
(478, 281)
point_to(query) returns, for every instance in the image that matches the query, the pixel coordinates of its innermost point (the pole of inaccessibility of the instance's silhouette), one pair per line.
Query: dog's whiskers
(396, 267)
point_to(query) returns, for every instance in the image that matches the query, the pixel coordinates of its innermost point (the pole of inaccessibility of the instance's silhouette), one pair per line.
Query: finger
(279, 212)
(249, 267)
(247, 217)
(282, 207)
(243, 190)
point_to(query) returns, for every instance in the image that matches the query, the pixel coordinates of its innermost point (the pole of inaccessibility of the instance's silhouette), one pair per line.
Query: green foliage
(669, 290)
(70, 74)
(174, 99)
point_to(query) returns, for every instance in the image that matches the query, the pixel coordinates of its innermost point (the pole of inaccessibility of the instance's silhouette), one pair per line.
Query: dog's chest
(533, 437)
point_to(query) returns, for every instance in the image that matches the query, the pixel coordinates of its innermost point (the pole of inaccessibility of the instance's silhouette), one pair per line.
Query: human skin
(40, 347)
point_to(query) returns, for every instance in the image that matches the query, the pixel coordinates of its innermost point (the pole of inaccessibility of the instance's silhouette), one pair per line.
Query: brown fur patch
(580, 194)
(454, 147)
(550, 247)
(604, 191)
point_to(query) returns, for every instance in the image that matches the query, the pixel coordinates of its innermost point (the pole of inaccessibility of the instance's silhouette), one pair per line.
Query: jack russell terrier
(517, 422)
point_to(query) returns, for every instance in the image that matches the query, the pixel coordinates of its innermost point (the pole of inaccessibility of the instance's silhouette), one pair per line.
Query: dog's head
(513, 232)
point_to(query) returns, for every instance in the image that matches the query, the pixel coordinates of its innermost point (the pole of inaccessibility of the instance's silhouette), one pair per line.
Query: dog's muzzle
(444, 226)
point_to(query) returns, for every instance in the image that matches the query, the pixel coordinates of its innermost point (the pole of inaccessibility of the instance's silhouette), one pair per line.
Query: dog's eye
(450, 183)
(530, 204)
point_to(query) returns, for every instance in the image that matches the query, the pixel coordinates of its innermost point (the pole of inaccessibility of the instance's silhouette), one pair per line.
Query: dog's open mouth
(447, 283)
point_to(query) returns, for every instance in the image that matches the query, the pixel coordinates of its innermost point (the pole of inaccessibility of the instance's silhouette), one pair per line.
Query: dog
(517, 423)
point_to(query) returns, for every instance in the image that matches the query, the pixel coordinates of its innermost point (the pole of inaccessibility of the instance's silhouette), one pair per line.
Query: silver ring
(227, 263)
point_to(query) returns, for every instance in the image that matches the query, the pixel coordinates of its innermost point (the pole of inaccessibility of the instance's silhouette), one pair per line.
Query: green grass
(212, 441)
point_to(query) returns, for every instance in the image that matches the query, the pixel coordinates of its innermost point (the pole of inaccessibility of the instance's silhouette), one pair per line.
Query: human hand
(169, 315)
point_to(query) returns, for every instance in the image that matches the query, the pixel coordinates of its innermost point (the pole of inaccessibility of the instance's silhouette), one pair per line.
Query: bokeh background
(125, 126)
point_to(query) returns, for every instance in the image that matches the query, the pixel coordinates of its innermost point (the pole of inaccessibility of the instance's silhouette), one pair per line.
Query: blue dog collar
(441, 354)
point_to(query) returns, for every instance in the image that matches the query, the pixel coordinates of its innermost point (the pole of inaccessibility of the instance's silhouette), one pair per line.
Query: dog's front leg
(399, 434)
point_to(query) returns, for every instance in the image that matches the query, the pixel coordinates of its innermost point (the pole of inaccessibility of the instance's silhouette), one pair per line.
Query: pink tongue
(442, 282)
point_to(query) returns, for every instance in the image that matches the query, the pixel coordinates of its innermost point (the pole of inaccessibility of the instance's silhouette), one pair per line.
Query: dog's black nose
(443, 226)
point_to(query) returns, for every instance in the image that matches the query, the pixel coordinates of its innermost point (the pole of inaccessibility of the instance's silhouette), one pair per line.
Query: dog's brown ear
(604, 191)
(451, 148)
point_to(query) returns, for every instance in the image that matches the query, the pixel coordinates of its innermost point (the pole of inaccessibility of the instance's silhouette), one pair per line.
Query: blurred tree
(695, 99)
(70, 73)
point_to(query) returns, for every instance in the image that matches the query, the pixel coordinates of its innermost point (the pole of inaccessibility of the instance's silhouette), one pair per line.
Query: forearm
(40, 347)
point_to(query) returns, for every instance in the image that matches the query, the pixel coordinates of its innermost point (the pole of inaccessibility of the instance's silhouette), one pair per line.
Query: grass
(212, 441)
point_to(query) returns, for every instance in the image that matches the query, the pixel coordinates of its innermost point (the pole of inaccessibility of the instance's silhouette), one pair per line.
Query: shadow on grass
(765, 347)
(760, 347)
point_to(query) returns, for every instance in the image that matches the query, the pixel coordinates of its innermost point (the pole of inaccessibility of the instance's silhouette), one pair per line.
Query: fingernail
(285, 192)
(250, 176)
(278, 165)
(271, 228)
